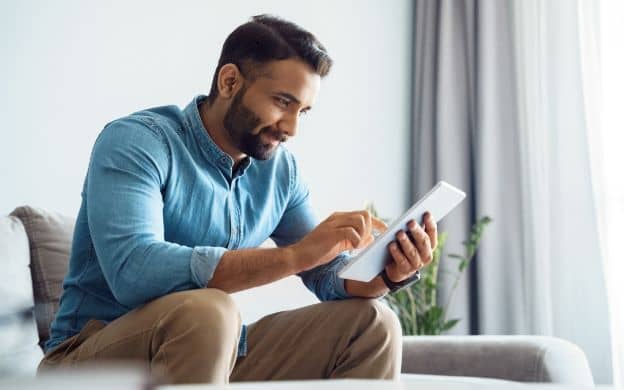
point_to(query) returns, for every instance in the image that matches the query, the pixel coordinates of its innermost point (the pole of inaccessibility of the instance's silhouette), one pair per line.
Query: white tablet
(368, 262)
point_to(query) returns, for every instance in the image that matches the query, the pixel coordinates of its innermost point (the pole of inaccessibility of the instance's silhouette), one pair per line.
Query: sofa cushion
(522, 358)
(19, 353)
(49, 237)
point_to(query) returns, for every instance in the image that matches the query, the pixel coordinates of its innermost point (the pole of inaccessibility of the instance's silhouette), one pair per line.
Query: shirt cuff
(204, 261)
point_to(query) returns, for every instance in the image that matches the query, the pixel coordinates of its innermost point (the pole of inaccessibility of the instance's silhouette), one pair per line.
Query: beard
(240, 122)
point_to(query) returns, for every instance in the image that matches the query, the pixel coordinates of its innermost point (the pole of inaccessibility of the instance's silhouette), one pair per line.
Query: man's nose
(288, 124)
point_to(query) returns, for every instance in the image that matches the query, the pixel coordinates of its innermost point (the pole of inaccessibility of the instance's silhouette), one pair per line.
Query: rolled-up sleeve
(297, 221)
(127, 174)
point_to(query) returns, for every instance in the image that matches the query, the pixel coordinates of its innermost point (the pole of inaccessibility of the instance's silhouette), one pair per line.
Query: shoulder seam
(152, 124)
(157, 132)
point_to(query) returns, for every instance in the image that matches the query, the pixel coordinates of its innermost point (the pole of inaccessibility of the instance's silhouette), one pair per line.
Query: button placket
(234, 236)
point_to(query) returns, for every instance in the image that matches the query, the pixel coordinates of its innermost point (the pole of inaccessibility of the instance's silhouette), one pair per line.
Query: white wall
(69, 67)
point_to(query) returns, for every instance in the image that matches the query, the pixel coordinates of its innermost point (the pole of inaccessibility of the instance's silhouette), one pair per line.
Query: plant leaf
(449, 324)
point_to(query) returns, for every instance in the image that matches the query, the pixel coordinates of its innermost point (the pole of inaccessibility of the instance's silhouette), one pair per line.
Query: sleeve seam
(151, 123)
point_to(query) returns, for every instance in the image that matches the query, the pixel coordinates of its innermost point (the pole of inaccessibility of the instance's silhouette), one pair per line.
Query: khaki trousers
(192, 337)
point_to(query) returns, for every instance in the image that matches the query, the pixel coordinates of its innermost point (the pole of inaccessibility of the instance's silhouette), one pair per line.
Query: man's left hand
(412, 249)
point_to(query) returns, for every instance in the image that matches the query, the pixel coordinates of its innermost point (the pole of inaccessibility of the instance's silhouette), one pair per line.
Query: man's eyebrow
(288, 96)
(291, 98)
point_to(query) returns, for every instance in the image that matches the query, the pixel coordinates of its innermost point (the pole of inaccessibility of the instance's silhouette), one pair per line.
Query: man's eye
(282, 102)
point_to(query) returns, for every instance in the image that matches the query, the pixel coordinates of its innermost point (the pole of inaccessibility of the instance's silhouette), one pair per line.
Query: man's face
(266, 112)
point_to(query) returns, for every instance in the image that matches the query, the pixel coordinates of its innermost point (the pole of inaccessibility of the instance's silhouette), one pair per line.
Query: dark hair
(268, 38)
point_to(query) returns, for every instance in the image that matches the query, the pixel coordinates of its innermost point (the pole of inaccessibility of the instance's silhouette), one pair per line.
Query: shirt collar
(209, 149)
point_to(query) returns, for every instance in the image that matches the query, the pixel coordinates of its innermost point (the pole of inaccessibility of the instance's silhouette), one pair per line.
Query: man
(174, 206)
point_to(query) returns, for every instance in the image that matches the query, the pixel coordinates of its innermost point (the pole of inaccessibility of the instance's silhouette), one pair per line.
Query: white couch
(34, 250)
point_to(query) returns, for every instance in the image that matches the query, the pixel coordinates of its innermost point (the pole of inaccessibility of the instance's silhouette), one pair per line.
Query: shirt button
(224, 160)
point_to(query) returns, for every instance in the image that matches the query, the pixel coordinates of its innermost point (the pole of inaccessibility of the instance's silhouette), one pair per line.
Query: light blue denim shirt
(160, 207)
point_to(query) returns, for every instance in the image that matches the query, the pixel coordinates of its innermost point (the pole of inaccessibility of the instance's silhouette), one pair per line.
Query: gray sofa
(34, 250)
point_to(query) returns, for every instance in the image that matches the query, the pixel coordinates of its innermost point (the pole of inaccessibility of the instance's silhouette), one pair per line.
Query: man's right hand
(341, 231)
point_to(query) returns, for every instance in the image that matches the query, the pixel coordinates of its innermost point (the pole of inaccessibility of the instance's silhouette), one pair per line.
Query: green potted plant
(417, 306)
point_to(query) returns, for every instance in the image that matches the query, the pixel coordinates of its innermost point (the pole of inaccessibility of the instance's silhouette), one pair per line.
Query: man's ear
(230, 80)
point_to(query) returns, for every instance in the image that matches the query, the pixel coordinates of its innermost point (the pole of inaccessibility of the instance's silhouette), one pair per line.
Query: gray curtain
(499, 109)
(464, 132)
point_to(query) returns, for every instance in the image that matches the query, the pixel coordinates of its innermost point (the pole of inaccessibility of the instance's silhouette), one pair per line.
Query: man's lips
(273, 140)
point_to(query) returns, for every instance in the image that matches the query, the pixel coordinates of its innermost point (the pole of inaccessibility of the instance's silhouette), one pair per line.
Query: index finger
(379, 225)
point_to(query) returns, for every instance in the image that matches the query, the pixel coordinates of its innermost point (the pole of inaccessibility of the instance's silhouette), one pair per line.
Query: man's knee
(384, 317)
(377, 332)
(196, 337)
(207, 312)
(371, 308)
(382, 322)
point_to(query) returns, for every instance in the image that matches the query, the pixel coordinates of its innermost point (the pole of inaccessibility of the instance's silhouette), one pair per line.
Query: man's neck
(212, 116)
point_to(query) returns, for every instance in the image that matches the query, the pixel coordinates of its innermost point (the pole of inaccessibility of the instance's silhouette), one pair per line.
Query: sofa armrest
(516, 358)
